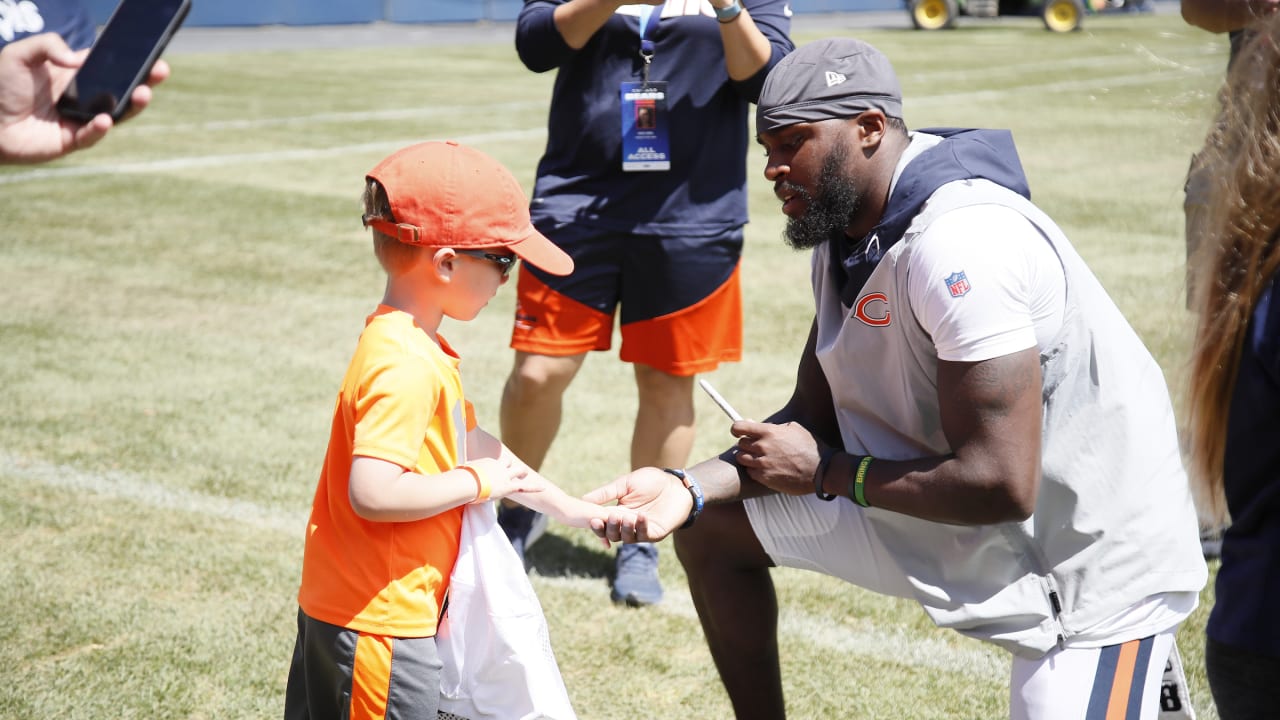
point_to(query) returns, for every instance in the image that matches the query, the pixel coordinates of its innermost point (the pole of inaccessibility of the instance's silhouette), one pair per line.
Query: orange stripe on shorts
(1119, 703)
(370, 677)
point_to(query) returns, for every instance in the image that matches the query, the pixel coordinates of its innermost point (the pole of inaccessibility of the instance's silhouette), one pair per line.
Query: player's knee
(721, 538)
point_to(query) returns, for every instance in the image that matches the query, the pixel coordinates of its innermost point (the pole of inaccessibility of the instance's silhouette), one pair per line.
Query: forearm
(563, 507)
(939, 489)
(1226, 15)
(990, 413)
(722, 480)
(746, 49)
(578, 20)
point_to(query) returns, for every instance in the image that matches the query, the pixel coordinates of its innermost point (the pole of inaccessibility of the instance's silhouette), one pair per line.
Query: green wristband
(856, 493)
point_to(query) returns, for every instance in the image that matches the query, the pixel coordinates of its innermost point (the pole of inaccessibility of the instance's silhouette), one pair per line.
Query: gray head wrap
(834, 78)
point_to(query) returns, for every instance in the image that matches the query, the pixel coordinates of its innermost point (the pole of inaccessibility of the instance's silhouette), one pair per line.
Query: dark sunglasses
(504, 262)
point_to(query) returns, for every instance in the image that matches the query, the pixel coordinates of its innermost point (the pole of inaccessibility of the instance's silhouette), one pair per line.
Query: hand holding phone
(122, 58)
(33, 72)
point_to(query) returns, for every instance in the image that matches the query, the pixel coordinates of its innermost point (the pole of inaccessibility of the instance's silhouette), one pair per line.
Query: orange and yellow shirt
(401, 401)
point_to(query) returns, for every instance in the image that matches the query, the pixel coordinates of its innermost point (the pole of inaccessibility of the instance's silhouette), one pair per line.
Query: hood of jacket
(963, 154)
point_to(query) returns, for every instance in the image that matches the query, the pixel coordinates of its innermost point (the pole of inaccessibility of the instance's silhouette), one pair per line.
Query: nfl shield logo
(957, 284)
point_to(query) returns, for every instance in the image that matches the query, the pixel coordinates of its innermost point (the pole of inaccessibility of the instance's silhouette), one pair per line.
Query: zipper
(1055, 603)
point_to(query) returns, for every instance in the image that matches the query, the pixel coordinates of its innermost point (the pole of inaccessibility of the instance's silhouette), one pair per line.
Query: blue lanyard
(646, 37)
(647, 30)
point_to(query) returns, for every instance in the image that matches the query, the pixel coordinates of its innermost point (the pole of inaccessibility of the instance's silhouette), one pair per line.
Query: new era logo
(835, 78)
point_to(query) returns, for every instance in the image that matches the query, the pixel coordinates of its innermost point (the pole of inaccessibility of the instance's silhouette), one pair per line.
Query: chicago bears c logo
(868, 309)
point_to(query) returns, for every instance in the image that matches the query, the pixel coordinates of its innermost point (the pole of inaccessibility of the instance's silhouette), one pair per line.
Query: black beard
(829, 213)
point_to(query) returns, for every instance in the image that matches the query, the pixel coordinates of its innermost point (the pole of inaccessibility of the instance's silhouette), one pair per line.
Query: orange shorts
(679, 299)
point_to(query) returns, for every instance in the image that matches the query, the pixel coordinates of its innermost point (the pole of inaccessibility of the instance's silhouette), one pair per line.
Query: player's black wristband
(824, 459)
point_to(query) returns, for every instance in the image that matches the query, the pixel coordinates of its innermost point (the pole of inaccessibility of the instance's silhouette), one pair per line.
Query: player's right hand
(660, 501)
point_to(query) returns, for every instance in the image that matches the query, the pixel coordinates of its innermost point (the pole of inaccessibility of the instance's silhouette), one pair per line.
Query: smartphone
(121, 57)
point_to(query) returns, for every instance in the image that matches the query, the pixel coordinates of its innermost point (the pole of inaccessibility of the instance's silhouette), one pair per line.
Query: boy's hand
(507, 475)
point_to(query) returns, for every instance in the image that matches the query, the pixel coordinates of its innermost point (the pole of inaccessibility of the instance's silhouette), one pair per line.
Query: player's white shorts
(1114, 682)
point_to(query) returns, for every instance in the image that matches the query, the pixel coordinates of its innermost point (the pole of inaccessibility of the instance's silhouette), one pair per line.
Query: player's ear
(871, 126)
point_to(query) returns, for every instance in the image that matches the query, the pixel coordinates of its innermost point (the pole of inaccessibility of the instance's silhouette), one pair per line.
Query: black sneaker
(522, 526)
(635, 581)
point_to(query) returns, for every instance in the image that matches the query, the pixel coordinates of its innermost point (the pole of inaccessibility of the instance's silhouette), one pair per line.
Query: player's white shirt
(1015, 301)
(1016, 288)
(982, 273)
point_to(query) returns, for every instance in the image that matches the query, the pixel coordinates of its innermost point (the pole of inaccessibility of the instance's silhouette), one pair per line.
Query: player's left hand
(783, 458)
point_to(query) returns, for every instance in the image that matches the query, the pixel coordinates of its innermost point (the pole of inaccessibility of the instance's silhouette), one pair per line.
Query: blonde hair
(393, 255)
(1239, 253)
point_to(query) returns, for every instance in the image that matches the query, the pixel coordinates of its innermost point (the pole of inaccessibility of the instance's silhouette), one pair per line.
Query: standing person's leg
(1242, 682)
(733, 593)
(663, 437)
(664, 431)
(532, 407)
(558, 320)
(681, 315)
(533, 403)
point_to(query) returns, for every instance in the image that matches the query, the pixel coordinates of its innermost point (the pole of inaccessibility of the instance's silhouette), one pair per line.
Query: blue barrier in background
(342, 12)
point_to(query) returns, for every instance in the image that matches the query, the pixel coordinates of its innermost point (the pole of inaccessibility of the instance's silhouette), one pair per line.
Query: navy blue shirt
(580, 177)
(68, 18)
(1244, 614)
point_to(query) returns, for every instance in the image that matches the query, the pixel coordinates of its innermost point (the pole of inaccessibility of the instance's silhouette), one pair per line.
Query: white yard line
(888, 644)
(268, 157)
(355, 116)
(125, 486)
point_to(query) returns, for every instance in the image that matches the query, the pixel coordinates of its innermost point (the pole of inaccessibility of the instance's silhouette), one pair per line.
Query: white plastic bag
(493, 639)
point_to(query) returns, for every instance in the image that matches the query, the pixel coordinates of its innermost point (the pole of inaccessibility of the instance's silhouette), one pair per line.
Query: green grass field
(177, 307)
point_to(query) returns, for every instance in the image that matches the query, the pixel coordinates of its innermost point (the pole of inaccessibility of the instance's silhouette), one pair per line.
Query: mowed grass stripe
(1096, 84)
(273, 156)
(893, 645)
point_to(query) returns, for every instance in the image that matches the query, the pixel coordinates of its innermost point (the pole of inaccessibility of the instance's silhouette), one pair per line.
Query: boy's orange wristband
(482, 483)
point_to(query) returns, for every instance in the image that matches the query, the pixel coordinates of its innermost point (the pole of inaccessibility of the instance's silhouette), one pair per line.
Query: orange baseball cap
(449, 195)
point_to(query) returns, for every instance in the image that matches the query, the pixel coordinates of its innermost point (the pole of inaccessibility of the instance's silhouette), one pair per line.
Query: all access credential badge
(645, 145)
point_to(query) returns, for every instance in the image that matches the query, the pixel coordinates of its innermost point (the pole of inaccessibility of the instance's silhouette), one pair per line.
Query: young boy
(405, 455)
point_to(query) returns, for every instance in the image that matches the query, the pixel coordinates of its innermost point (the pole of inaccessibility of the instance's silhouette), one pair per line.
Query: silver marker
(724, 404)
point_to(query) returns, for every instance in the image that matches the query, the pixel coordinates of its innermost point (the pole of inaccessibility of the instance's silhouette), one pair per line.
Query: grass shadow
(554, 556)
